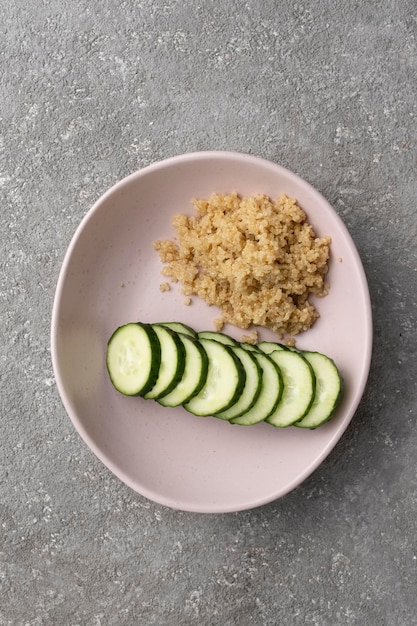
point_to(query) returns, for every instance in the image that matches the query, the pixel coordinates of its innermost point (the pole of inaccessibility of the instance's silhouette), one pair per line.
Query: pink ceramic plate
(111, 275)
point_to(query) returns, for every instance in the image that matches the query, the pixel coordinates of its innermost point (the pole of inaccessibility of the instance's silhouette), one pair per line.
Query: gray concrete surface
(91, 91)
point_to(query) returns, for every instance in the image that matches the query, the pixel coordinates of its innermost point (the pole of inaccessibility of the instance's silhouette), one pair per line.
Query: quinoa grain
(255, 258)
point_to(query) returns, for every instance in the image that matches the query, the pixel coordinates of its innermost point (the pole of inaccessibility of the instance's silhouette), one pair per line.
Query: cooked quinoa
(252, 338)
(255, 258)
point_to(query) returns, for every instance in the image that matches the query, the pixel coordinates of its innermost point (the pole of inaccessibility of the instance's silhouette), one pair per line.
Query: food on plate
(212, 374)
(255, 258)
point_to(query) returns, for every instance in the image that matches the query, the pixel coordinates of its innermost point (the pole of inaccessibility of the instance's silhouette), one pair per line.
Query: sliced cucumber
(220, 337)
(133, 359)
(179, 327)
(224, 384)
(252, 386)
(250, 347)
(172, 362)
(194, 375)
(270, 346)
(210, 373)
(328, 390)
(299, 388)
(269, 396)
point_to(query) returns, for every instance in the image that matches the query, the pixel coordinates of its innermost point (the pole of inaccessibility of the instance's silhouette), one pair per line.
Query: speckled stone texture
(91, 91)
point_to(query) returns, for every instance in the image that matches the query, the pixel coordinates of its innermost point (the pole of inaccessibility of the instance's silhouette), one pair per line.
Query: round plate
(111, 276)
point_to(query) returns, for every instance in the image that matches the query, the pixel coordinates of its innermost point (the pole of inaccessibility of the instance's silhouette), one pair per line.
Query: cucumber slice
(194, 375)
(270, 346)
(252, 387)
(328, 390)
(179, 327)
(269, 396)
(220, 337)
(250, 347)
(172, 364)
(224, 384)
(299, 388)
(133, 358)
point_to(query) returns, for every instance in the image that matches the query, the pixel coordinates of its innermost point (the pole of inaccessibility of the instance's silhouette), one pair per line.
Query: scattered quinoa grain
(164, 287)
(251, 338)
(255, 258)
(218, 324)
(187, 301)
